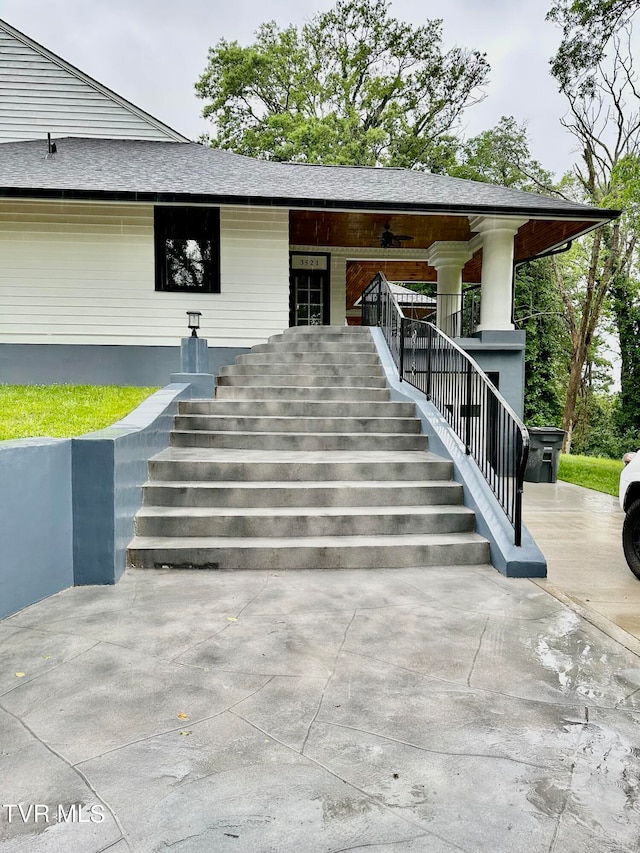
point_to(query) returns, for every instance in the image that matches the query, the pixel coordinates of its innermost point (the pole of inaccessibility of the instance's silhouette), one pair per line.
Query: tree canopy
(502, 156)
(595, 70)
(587, 28)
(352, 86)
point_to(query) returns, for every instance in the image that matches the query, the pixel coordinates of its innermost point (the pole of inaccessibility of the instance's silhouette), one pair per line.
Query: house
(415, 306)
(107, 241)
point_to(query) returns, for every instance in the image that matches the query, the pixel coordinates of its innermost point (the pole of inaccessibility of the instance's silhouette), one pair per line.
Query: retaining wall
(68, 505)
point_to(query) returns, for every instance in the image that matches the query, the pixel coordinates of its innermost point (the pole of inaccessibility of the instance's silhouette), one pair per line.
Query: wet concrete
(441, 709)
(580, 534)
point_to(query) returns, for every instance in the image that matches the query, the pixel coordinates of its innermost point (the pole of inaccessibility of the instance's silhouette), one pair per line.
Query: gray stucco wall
(35, 521)
(501, 353)
(109, 468)
(85, 364)
(67, 506)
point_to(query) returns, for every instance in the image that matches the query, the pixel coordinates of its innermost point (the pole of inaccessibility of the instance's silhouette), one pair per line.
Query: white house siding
(40, 93)
(76, 273)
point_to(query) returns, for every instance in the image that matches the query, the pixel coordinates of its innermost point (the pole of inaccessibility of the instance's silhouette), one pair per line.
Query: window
(187, 241)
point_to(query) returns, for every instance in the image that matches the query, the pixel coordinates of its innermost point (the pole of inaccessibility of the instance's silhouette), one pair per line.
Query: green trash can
(545, 445)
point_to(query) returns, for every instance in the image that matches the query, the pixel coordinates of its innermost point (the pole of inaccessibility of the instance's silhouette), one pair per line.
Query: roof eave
(597, 215)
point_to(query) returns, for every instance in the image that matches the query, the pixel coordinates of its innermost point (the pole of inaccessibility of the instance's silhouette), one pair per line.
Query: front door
(309, 289)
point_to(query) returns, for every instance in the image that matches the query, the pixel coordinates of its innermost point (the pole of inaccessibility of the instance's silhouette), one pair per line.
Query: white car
(629, 495)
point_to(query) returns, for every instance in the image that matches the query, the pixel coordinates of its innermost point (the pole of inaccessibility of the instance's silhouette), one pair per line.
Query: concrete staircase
(301, 461)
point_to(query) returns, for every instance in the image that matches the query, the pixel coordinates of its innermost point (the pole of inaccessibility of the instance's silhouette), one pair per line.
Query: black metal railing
(491, 432)
(458, 314)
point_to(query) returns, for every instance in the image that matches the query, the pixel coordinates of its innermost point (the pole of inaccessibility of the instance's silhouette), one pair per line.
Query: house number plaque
(309, 262)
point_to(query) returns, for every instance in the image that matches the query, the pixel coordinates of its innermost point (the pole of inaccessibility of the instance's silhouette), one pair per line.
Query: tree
(604, 117)
(539, 311)
(625, 294)
(502, 156)
(588, 27)
(352, 86)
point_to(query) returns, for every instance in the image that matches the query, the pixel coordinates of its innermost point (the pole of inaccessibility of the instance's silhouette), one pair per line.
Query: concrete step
(198, 464)
(258, 423)
(290, 392)
(269, 522)
(338, 493)
(302, 461)
(297, 408)
(285, 356)
(299, 440)
(354, 333)
(279, 343)
(347, 331)
(309, 381)
(313, 552)
(304, 369)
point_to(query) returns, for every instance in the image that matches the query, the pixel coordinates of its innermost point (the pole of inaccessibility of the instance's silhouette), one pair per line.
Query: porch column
(497, 270)
(449, 258)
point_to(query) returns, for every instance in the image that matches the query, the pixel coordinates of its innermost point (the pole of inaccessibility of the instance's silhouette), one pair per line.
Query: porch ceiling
(363, 230)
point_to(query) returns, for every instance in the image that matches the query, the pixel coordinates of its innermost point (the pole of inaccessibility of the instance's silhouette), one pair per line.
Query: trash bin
(545, 444)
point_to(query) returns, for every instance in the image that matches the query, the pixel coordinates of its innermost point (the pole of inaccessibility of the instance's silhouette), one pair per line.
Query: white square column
(496, 302)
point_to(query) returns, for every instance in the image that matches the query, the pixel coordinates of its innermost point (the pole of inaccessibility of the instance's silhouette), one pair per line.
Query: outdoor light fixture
(194, 322)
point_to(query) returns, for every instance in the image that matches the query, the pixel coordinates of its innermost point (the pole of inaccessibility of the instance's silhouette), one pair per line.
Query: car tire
(631, 538)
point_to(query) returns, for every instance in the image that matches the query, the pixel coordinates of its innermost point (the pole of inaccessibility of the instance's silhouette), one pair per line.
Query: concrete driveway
(580, 534)
(440, 709)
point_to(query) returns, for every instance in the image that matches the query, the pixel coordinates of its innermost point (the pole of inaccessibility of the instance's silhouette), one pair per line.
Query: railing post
(517, 521)
(429, 350)
(521, 454)
(379, 304)
(402, 322)
(467, 429)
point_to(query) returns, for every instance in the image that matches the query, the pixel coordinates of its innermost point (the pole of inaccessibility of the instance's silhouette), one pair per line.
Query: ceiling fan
(389, 240)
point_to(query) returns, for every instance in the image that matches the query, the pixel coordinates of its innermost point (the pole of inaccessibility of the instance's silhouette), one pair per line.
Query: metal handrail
(490, 431)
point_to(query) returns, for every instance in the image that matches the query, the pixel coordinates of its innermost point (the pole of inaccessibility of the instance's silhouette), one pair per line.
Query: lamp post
(194, 322)
(194, 360)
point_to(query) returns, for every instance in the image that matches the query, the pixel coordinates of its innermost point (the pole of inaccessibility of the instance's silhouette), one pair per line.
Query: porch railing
(458, 314)
(487, 426)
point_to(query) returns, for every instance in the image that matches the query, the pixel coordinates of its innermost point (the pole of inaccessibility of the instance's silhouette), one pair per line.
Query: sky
(153, 51)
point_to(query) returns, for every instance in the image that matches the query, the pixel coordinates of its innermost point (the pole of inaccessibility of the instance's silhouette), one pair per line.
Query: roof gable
(41, 93)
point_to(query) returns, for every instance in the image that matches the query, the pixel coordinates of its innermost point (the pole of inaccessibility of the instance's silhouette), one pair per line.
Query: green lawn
(64, 411)
(603, 475)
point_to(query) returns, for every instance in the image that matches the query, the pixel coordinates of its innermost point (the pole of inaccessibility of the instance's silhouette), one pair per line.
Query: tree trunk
(573, 389)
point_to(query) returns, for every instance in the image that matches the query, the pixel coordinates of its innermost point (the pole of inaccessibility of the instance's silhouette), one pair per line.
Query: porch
(464, 266)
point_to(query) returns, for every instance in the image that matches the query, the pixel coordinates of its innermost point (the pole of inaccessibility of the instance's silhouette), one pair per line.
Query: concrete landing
(263, 712)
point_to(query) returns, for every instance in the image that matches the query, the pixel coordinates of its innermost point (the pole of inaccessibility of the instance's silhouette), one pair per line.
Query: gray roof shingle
(173, 171)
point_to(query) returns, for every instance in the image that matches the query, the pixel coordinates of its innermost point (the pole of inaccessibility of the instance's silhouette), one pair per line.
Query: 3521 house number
(307, 262)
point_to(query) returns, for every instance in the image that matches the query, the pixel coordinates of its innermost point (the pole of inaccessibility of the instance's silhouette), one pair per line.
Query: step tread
(237, 407)
(334, 511)
(311, 418)
(227, 542)
(301, 484)
(264, 434)
(213, 454)
(306, 366)
(274, 376)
